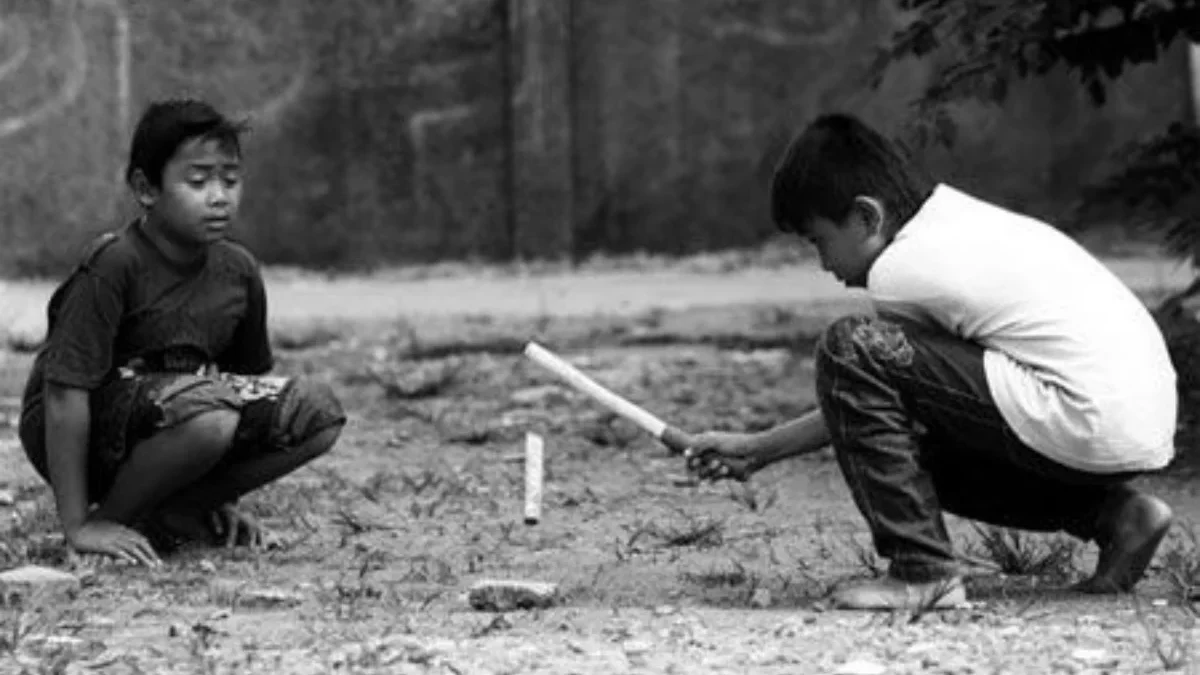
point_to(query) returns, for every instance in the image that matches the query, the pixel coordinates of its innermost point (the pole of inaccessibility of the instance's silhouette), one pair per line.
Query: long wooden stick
(672, 437)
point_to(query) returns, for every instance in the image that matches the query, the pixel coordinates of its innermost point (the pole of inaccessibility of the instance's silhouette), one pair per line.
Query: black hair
(835, 159)
(168, 124)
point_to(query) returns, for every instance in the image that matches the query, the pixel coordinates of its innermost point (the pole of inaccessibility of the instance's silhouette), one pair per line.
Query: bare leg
(227, 483)
(166, 463)
(190, 512)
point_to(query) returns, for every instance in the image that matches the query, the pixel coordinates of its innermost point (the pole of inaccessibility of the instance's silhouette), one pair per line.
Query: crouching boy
(149, 409)
(1007, 376)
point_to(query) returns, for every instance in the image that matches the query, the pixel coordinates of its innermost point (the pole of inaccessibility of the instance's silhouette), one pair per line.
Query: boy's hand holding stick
(707, 464)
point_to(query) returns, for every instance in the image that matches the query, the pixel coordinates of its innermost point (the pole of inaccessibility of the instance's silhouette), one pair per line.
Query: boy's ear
(145, 193)
(872, 213)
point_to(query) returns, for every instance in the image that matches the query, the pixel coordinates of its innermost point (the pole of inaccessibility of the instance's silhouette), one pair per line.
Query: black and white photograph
(584, 337)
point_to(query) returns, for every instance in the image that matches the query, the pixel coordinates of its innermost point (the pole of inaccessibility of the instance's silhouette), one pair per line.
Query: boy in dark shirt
(148, 409)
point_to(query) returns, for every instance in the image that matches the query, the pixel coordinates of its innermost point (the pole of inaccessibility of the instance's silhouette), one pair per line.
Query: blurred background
(399, 131)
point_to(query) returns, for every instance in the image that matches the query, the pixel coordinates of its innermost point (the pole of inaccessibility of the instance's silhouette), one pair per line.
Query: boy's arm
(78, 357)
(68, 421)
(802, 436)
(715, 455)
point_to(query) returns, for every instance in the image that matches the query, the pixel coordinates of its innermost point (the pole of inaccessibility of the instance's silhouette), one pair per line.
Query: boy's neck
(178, 252)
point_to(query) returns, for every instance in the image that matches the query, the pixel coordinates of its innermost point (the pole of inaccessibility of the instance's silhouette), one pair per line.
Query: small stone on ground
(860, 667)
(761, 599)
(229, 592)
(498, 595)
(537, 395)
(36, 583)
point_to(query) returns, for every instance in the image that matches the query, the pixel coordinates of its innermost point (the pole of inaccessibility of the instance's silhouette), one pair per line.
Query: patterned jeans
(917, 433)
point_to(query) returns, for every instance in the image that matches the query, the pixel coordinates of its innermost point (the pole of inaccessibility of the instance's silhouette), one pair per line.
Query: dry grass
(1017, 553)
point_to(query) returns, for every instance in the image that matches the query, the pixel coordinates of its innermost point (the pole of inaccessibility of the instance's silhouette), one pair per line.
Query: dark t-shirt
(129, 303)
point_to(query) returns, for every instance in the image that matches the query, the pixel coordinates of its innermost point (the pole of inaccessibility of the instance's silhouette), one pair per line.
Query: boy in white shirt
(1008, 376)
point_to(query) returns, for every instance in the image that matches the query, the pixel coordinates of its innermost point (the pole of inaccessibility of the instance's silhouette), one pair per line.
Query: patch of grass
(690, 531)
(866, 557)
(32, 536)
(1180, 563)
(353, 525)
(1020, 554)
(23, 628)
(943, 590)
(378, 485)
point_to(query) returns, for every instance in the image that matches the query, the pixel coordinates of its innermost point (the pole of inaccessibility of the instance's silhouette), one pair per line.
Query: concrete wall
(443, 129)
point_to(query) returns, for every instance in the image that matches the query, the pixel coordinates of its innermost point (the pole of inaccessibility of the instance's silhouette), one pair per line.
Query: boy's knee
(852, 338)
(312, 415)
(211, 434)
(838, 342)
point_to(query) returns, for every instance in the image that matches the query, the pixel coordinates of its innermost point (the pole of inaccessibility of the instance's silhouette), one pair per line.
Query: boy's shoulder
(110, 253)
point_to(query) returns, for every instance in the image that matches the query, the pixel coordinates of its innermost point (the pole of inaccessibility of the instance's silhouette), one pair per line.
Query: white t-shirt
(1074, 360)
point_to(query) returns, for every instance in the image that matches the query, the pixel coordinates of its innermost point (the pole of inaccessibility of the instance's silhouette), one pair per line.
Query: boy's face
(200, 193)
(848, 249)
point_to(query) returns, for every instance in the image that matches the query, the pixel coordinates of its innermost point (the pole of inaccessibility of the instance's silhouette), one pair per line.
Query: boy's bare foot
(892, 594)
(236, 528)
(1133, 529)
(225, 526)
(170, 529)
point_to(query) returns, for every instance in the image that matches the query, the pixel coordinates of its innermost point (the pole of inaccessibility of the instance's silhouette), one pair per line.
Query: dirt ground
(424, 496)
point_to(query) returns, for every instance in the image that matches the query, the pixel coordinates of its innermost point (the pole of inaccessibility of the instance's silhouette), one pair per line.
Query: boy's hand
(114, 540)
(718, 455)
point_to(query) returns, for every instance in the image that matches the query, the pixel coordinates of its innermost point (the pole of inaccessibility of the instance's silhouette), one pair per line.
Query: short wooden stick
(534, 472)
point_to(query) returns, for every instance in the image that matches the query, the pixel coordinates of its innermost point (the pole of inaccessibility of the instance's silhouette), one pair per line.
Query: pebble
(637, 652)
(761, 599)
(269, 598)
(920, 648)
(7, 497)
(955, 664)
(36, 583)
(233, 593)
(536, 395)
(860, 667)
(61, 647)
(637, 648)
(500, 595)
(1094, 657)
